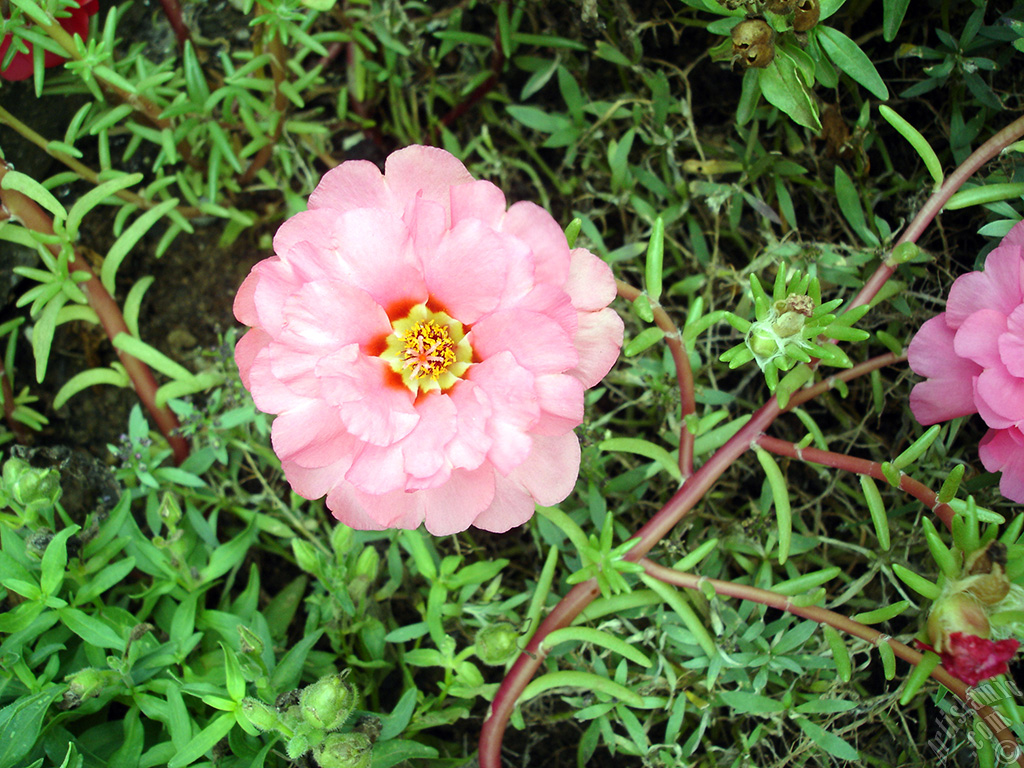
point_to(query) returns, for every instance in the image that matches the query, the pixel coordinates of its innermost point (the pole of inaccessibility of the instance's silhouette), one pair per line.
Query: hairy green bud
(345, 750)
(327, 703)
(260, 715)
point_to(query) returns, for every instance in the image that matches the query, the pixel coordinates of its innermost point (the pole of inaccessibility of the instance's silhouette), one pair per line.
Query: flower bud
(327, 703)
(169, 510)
(496, 644)
(956, 612)
(762, 342)
(250, 641)
(345, 750)
(260, 715)
(34, 488)
(85, 684)
(790, 324)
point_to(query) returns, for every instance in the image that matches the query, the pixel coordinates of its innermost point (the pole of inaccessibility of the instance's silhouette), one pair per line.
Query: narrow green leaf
(128, 239)
(644, 448)
(849, 204)
(840, 653)
(848, 56)
(827, 740)
(884, 613)
(586, 680)
(918, 677)
(33, 190)
(94, 197)
(655, 260)
(780, 496)
(42, 334)
(989, 193)
(876, 508)
(927, 589)
(118, 377)
(203, 741)
(917, 141)
(150, 356)
(643, 341)
(598, 638)
(678, 603)
(893, 12)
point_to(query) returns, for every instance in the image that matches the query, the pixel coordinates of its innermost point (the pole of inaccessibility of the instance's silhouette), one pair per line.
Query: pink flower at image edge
(973, 659)
(77, 23)
(425, 348)
(972, 356)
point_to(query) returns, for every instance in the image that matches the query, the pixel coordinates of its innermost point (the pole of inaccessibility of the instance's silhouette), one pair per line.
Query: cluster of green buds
(29, 491)
(793, 326)
(310, 720)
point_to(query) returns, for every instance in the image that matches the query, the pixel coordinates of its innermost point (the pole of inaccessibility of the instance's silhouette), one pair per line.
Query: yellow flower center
(429, 350)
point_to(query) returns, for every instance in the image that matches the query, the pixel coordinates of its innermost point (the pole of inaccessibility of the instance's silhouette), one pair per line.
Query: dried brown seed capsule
(808, 12)
(780, 6)
(753, 43)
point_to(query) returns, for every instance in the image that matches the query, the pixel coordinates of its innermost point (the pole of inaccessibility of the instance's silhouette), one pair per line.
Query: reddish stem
(843, 623)
(25, 210)
(172, 10)
(847, 463)
(8, 394)
(939, 198)
(687, 397)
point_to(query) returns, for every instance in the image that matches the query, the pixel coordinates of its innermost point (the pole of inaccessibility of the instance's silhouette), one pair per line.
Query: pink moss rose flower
(973, 357)
(425, 349)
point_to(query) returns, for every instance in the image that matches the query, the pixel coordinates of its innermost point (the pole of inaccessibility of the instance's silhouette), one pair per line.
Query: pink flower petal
(598, 341)
(281, 379)
(511, 507)
(1002, 450)
(369, 405)
(369, 512)
(466, 274)
(468, 449)
(546, 299)
(246, 350)
(977, 338)
(478, 200)
(454, 506)
(536, 227)
(313, 325)
(1011, 343)
(538, 343)
(591, 284)
(311, 435)
(561, 401)
(355, 184)
(314, 482)
(550, 471)
(999, 397)
(998, 287)
(244, 305)
(949, 392)
(509, 389)
(424, 171)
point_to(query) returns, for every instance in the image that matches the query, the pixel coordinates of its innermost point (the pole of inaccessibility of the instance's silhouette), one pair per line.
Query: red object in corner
(77, 23)
(973, 659)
